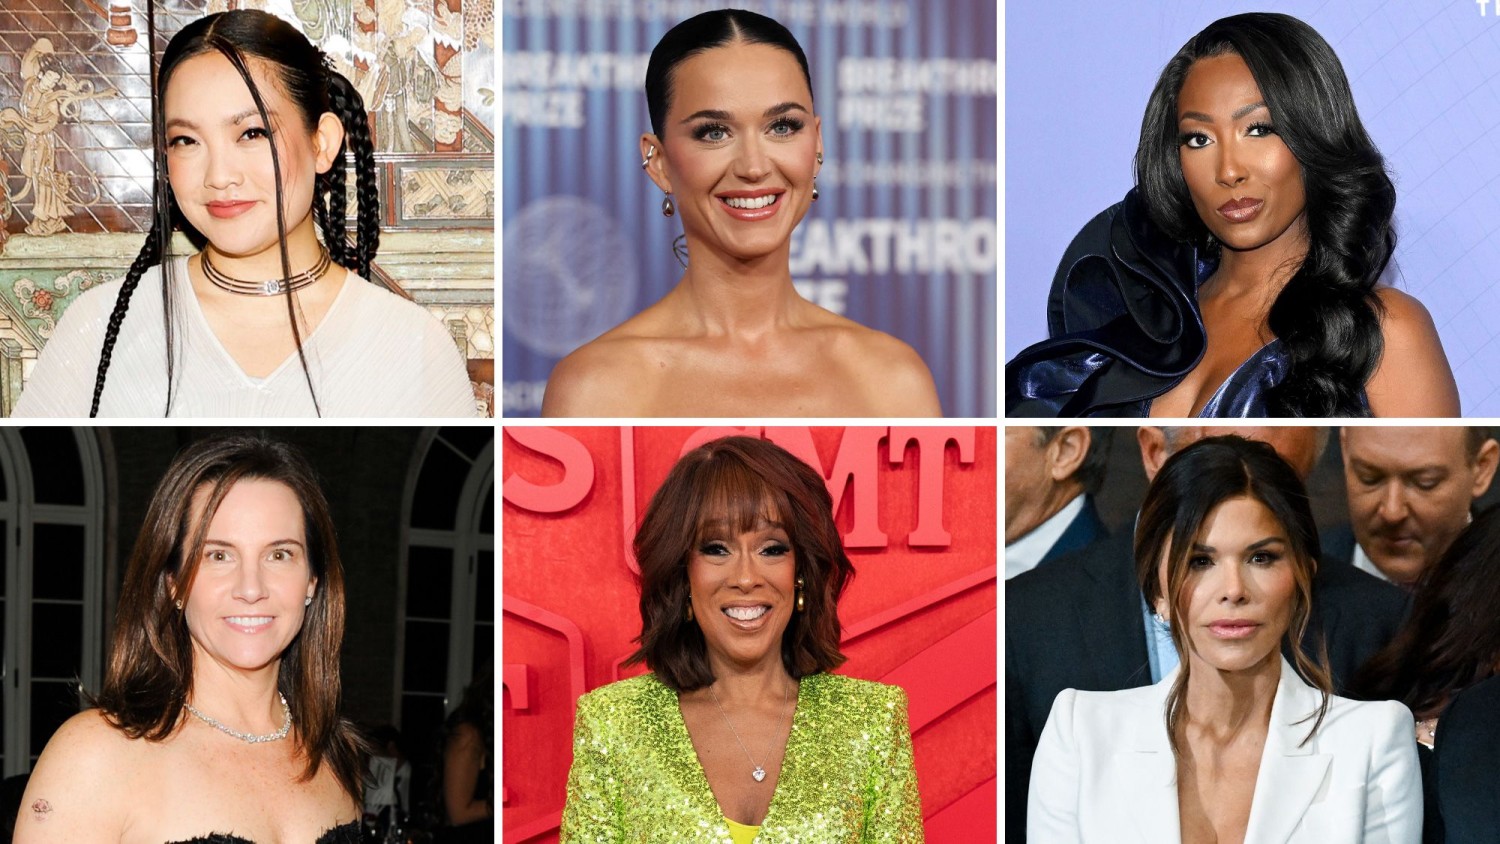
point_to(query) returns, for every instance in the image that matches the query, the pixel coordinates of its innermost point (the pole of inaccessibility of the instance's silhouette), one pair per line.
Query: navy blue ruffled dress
(1124, 327)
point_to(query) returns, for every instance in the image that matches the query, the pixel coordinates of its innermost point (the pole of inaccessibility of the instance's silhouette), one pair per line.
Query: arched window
(448, 584)
(51, 514)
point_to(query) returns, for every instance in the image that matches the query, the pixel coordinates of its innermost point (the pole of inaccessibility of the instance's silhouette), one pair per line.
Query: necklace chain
(249, 738)
(760, 772)
(270, 287)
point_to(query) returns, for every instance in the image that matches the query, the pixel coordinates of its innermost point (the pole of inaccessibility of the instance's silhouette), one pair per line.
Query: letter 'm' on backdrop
(902, 238)
(916, 509)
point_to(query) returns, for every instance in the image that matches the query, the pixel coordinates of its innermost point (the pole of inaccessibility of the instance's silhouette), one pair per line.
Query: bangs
(734, 497)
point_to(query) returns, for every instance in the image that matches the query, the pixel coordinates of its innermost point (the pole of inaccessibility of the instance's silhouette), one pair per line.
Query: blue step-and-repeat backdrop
(903, 237)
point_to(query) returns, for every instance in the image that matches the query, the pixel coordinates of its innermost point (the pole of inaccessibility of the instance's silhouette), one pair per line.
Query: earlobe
(328, 139)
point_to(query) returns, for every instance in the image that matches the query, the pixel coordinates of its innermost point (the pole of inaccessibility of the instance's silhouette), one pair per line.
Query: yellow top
(740, 833)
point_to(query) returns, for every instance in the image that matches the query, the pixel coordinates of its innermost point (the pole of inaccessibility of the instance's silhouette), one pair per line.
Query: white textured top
(373, 354)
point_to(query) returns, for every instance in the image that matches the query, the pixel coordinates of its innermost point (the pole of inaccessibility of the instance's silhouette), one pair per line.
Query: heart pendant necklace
(759, 773)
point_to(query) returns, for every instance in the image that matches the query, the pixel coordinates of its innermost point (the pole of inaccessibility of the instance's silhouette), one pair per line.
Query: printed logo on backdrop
(570, 274)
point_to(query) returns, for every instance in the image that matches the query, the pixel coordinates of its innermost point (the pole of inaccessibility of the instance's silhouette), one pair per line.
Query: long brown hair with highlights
(151, 662)
(1190, 486)
(738, 481)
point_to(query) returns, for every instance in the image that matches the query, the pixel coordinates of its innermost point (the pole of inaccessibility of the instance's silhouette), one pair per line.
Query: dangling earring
(690, 608)
(801, 603)
(815, 189)
(667, 208)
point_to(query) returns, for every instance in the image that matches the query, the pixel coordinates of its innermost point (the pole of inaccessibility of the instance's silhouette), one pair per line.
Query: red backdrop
(916, 508)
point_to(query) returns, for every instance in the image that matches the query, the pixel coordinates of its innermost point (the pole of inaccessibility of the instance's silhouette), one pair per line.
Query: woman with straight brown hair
(1236, 744)
(219, 719)
(741, 733)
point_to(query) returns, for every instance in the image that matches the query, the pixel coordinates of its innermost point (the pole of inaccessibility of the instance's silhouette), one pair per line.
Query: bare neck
(723, 295)
(1223, 705)
(1257, 275)
(247, 701)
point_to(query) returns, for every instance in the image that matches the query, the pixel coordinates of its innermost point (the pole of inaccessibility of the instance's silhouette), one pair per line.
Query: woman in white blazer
(1235, 745)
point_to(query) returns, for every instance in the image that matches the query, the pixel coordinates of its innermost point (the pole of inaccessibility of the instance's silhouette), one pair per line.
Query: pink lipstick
(751, 205)
(1241, 210)
(228, 210)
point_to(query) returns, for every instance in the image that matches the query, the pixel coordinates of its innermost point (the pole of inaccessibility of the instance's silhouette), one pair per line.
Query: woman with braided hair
(250, 127)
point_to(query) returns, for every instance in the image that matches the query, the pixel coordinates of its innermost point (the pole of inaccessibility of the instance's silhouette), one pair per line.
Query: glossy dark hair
(1327, 315)
(704, 32)
(1451, 640)
(1190, 485)
(151, 661)
(307, 78)
(738, 481)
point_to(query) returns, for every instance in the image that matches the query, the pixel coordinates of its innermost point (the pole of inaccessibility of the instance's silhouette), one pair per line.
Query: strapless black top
(342, 834)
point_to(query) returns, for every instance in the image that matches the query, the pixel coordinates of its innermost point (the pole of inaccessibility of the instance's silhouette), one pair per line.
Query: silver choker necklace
(269, 287)
(249, 738)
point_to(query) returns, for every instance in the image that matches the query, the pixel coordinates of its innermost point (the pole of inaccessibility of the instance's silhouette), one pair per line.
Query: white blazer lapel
(1146, 770)
(1291, 774)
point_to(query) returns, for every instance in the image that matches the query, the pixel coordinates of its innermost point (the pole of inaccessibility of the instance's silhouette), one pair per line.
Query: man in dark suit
(1079, 622)
(1411, 491)
(1051, 476)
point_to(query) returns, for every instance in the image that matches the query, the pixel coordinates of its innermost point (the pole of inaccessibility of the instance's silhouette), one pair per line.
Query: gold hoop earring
(801, 603)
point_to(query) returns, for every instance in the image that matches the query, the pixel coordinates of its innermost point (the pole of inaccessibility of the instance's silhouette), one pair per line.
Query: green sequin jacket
(847, 776)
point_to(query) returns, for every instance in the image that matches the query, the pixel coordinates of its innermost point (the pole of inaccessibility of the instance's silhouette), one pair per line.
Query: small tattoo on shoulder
(41, 809)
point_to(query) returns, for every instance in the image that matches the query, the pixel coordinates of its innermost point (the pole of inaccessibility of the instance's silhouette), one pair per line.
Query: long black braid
(315, 87)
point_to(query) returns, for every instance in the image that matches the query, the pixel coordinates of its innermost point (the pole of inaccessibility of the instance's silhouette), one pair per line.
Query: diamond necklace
(250, 738)
(759, 773)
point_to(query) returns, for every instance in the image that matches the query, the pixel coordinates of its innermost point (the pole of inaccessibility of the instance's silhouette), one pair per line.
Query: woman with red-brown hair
(741, 733)
(219, 718)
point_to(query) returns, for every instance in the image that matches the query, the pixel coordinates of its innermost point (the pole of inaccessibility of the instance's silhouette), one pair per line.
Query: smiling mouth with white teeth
(249, 621)
(751, 204)
(746, 613)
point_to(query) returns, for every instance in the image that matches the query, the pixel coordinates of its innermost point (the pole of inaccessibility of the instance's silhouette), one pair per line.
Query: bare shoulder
(1413, 377)
(895, 376)
(77, 792)
(594, 379)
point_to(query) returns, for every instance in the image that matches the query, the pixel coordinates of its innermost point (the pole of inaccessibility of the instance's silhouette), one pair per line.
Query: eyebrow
(226, 544)
(716, 114)
(234, 120)
(1254, 546)
(1238, 113)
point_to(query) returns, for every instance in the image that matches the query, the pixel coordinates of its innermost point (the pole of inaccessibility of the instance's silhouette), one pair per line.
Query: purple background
(1426, 79)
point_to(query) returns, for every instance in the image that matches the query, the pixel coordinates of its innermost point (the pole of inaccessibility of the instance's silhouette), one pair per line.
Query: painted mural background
(75, 163)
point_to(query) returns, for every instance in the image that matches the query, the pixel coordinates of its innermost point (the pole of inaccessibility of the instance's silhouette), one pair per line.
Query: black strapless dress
(342, 834)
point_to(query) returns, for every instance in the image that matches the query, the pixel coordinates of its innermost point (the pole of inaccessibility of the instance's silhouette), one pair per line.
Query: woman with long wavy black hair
(1240, 277)
(250, 128)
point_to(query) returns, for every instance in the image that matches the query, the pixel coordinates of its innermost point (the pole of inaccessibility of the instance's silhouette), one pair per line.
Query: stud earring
(820, 157)
(801, 603)
(307, 602)
(667, 208)
(178, 602)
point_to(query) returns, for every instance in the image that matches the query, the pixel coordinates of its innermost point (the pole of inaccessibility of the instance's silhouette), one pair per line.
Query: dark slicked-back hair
(738, 482)
(1185, 493)
(151, 662)
(1327, 316)
(704, 32)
